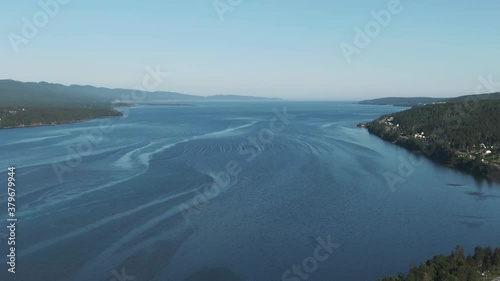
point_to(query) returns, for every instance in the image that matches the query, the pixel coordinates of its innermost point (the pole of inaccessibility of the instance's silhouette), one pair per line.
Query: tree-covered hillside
(483, 265)
(36, 104)
(15, 93)
(12, 117)
(465, 135)
(25, 104)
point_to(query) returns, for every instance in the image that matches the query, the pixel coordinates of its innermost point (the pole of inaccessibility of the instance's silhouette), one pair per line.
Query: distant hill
(419, 101)
(490, 96)
(15, 93)
(397, 101)
(26, 104)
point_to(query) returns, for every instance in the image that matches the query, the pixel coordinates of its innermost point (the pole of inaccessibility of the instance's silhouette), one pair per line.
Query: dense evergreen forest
(36, 104)
(13, 117)
(464, 133)
(483, 265)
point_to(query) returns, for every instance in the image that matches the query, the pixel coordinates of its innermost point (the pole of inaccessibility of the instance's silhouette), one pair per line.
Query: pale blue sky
(283, 48)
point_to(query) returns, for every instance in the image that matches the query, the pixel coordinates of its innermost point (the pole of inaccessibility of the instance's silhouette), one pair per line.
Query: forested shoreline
(484, 264)
(462, 134)
(20, 117)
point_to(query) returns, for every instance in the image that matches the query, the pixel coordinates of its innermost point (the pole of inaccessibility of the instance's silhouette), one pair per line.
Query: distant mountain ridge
(480, 97)
(237, 98)
(399, 101)
(16, 93)
(419, 101)
(27, 104)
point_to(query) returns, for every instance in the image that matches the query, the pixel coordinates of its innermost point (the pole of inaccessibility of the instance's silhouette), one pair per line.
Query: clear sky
(282, 48)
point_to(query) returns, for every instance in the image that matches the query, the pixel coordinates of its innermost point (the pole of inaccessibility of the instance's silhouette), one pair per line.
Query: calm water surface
(128, 195)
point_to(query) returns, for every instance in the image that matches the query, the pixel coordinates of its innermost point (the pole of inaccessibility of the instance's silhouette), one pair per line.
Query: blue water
(130, 194)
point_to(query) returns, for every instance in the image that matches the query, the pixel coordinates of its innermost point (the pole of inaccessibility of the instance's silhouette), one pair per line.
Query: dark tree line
(484, 264)
(32, 116)
(455, 133)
